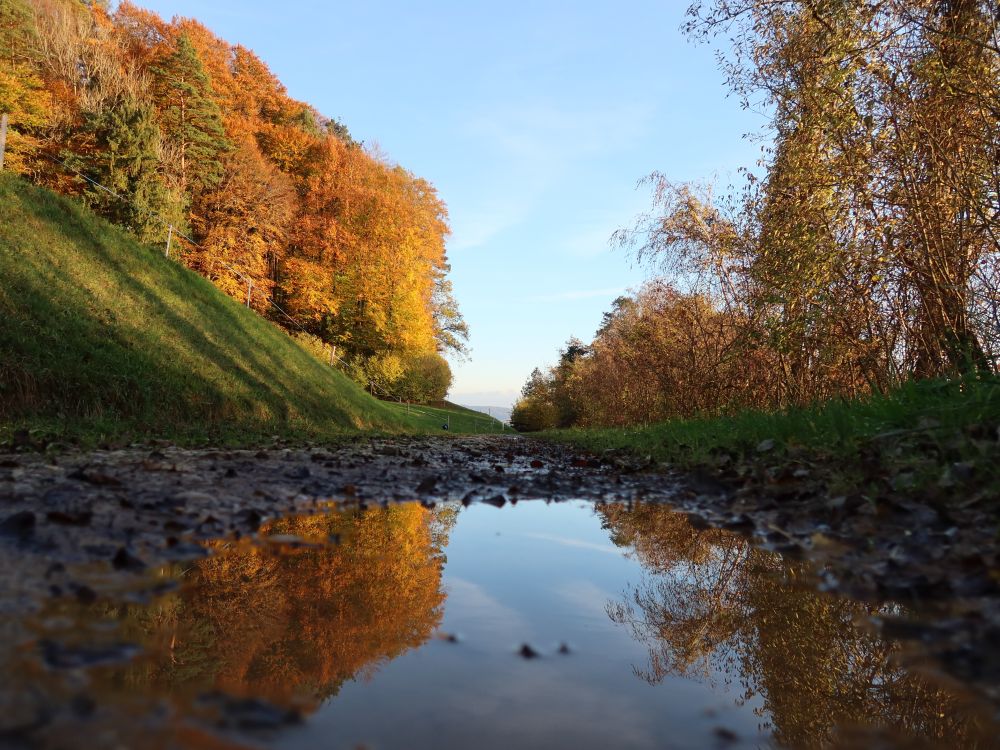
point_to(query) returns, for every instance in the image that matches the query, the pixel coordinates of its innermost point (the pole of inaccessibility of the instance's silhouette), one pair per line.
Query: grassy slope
(927, 433)
(458, 418)
(103, 337)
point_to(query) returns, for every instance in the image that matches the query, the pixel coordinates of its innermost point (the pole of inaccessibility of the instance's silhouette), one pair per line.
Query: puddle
(529, 626)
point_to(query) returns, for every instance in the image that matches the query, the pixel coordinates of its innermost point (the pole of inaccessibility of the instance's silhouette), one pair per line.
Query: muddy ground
(124, 511)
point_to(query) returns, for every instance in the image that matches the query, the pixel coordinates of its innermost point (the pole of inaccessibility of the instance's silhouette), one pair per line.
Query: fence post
(3, 138)
(170, 237)
(249, 291)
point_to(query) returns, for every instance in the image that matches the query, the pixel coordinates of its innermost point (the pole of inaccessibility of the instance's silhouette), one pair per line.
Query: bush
(426, 377)
(534, 414)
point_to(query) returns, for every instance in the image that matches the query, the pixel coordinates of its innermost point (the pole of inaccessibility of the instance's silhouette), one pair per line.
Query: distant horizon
(493, 411)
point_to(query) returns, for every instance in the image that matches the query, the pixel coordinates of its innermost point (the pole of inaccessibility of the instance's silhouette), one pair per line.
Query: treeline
(196, 138)
(865, 255)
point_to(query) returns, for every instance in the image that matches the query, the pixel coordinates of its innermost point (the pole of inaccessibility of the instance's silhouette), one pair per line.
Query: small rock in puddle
(125, 560)
(726, 735)
(250, 713)
(527, 652)
(60, 656)
(427, 485)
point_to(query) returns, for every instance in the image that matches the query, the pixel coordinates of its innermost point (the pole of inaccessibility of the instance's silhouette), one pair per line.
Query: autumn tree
(452, 332)
(942, 164)
(22, 91)
(189, 131)
(243, 226)
(425, 378)
(535, 410)
(868, 250)
(876, 201)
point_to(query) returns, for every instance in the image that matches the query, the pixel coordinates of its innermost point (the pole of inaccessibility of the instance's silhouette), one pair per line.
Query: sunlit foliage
(865, 249)
(284, 206)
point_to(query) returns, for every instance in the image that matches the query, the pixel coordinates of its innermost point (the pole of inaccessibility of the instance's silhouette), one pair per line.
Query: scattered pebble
(527, 652)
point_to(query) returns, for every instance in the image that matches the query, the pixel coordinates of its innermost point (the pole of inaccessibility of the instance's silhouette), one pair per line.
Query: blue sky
(534, 120)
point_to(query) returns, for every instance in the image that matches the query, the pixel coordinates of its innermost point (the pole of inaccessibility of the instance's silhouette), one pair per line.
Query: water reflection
(713, 604)
(291, 622)
(713, 642)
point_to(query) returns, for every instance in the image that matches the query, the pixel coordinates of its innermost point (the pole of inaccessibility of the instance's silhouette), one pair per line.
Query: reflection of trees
(712, 600)
(294, 623)
(690, 612)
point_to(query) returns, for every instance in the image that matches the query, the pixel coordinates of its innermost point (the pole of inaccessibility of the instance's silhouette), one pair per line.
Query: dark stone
(527, 652)
(250, 713)
(125, 560)
(298, 472)
(428, 484)
(18, 526)
(70, 517)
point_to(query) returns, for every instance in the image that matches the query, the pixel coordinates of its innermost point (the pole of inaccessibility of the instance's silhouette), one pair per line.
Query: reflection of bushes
(297, 623)
(712, 600)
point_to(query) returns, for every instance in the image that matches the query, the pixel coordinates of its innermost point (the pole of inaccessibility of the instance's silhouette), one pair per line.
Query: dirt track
(120, 513)
(138, 508)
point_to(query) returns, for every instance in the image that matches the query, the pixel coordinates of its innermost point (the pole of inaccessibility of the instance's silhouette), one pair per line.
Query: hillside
(184, 129)
(102, 336)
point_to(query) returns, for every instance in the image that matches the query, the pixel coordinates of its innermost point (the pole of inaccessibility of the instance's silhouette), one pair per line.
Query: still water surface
(409, 631)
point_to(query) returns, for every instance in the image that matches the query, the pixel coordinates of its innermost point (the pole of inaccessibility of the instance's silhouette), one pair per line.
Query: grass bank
(104, 339)
(932, 436)
(458, 419)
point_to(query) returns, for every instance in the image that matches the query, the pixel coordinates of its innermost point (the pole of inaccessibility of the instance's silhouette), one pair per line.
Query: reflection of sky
(539, 574)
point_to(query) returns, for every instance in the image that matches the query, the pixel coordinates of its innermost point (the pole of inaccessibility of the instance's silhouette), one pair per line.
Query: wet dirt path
(81, 528)
(138, 508)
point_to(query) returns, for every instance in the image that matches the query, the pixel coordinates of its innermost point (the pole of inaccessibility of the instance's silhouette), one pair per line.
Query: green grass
(105, 339)
(922, 435)
(459, 419)
(837, 427)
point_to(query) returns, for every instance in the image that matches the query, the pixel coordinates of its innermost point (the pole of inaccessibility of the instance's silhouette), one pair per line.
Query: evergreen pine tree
(125, 159)
(190, 118)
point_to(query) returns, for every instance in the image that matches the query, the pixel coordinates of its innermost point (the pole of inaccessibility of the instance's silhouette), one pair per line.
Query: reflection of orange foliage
(293, 624)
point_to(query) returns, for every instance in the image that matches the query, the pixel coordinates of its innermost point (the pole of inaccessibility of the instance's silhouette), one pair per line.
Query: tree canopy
(864, 250)
(196, 138)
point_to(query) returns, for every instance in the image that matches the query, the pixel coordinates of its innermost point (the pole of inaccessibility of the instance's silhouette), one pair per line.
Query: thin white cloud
(579, 543)
(476, 226)
(524, 150)
(545, 134)
(586, 597)
(578, 294)
(468, 603)
(589, 243)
